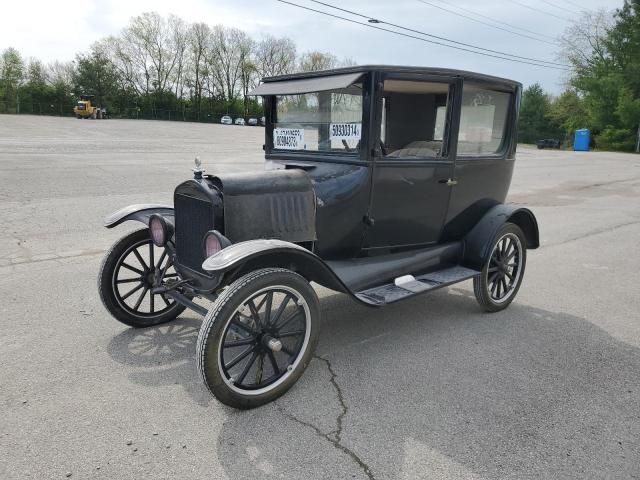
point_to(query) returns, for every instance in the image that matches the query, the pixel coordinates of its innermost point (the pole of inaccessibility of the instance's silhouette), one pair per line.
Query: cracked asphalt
(429, 388)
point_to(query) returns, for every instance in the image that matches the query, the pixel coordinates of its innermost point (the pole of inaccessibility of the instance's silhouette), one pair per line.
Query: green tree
(36, 74)
(628, 110)
(623, 45)
(569, 113)
(60, 76)
(604, 51)
(12, 73)
(95, 74)
(35, 93)
(534, 123)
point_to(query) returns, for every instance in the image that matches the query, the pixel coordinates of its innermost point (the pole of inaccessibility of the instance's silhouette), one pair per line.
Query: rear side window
(483, 120)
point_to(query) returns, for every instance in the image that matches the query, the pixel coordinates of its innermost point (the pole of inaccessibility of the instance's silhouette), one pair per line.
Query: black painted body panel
(482, 184)
(409, 204)
(139, 212)
(342, 199)
(480, 237)
(267, 204)
(362, 273)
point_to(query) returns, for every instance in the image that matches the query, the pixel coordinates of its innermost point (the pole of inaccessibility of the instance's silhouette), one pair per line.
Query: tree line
(158, 67)
(603, 85)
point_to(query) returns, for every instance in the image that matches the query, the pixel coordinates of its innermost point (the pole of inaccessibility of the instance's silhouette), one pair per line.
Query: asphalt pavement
(429, 388)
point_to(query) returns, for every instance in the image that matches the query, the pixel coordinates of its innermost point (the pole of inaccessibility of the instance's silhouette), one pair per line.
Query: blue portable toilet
(581, 140)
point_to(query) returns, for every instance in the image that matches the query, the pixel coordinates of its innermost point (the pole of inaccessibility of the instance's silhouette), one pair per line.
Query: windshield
(329, 121)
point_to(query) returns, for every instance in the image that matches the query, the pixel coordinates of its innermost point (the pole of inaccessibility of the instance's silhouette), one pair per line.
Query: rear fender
(240, 258)
(479, 239)
(140, 212)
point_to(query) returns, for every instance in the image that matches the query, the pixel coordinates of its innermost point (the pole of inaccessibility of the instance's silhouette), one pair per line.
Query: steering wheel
(383, 148)
(348, 148)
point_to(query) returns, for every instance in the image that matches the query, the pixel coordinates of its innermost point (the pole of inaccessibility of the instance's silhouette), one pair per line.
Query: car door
(485, 154)
(412, 167)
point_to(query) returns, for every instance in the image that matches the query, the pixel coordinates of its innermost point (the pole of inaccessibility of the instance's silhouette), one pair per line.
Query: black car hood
(268, 204)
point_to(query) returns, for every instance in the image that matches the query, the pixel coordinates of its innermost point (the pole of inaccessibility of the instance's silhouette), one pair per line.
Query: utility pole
(638, 140)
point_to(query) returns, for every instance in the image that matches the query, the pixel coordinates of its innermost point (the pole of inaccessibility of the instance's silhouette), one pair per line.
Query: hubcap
(264, 340)
(504, 268)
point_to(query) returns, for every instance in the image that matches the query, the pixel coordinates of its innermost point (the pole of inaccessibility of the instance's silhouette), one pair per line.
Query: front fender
(479, 239)
(244, 257)
(140, 212)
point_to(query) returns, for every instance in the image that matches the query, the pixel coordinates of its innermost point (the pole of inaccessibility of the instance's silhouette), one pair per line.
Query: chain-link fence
(148, 113)
(57, 109)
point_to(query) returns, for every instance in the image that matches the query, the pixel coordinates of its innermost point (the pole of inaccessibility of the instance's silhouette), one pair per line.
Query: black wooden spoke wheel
(503, 270)
(258, 338)
(131, 270)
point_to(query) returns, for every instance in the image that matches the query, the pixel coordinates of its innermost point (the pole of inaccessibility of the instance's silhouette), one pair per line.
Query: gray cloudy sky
(58, 29)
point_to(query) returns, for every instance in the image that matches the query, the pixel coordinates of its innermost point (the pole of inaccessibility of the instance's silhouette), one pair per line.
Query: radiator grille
(194, 218)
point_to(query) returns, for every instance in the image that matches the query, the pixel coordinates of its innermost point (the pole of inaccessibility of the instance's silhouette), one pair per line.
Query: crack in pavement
(335, 436)
(592, 233)
(48, 257)
(338, 431)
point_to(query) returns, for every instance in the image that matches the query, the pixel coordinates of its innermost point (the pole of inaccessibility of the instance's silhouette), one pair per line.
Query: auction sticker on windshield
(288, 138)
(345, 131)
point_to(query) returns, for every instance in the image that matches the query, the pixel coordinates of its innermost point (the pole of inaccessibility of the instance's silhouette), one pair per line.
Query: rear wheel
(503, 270)
(129, 272)
(258, 338)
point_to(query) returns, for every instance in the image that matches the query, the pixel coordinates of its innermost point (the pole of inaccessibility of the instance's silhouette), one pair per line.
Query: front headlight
(161, 231)
(213, 242)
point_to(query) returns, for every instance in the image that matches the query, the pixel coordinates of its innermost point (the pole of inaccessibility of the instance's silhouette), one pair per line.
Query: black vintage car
(381, 183)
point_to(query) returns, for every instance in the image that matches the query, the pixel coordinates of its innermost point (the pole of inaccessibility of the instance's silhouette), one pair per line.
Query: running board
(408, 286)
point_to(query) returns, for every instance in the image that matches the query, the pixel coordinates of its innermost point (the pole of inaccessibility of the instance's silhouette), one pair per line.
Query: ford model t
(382, 183)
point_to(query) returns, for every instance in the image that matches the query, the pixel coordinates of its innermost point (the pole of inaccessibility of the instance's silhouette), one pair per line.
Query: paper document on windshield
(288, 138)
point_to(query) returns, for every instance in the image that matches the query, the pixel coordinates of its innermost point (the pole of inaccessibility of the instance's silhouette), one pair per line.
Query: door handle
(449, 181)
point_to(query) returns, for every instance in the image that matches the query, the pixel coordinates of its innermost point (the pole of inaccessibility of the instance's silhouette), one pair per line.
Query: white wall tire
(498, 284)
(123, 297)
(258, 338)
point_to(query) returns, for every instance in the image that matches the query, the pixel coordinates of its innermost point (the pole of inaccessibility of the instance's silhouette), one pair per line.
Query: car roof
(397, 69)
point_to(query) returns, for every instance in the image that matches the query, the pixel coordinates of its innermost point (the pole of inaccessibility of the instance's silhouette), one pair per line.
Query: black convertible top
(396, 69)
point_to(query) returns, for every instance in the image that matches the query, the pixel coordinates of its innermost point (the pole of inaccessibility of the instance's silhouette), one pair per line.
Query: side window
(483, 120)
(413, 119)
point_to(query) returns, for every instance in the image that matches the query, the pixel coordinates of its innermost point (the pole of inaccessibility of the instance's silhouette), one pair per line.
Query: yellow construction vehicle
(86, 109)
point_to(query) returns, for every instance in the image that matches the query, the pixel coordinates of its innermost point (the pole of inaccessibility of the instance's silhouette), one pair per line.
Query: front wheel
(131, 270)
(501, 277)
(258, 338)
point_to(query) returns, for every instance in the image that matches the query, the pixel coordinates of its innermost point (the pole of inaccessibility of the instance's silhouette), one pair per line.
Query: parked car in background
(253, 122)
(239, 121)
(226, 120)
(263, 121)
(549, 143)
